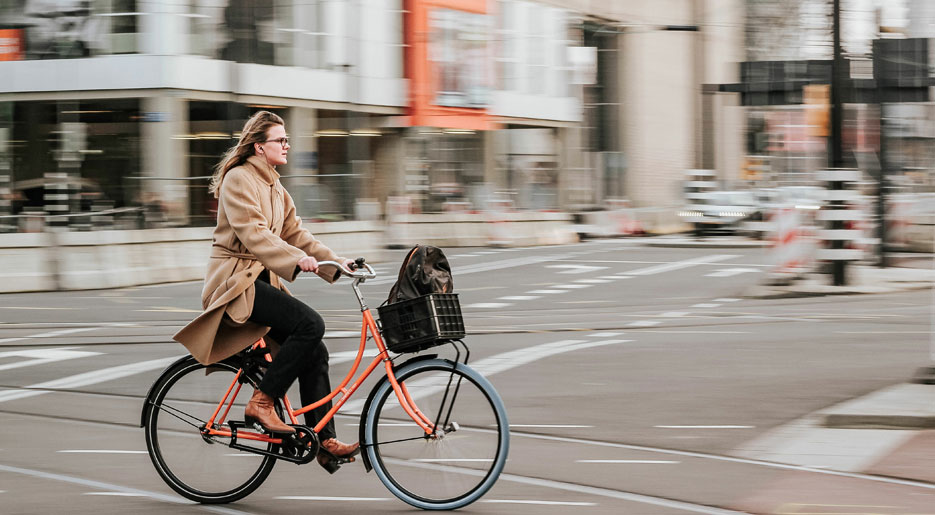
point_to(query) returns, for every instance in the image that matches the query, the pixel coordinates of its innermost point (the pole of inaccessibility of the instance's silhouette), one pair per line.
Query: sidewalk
(890, 432)
(861, 279)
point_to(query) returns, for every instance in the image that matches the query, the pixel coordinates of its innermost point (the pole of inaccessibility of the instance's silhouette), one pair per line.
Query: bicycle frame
(214, 426)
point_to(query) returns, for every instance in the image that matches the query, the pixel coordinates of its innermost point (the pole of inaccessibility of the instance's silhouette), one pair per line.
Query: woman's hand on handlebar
(308, 264)
(349, 264)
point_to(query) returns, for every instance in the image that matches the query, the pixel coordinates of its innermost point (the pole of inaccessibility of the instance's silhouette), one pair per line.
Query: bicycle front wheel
(462, 459)
(203, 469)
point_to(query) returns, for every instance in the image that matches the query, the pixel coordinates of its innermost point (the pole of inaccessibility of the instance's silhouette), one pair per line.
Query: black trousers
(299, 330)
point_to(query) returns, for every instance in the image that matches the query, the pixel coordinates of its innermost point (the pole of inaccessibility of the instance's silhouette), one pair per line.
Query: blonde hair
(254, 131)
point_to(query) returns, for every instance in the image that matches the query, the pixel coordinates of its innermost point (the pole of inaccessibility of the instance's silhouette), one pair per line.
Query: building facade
(124, 107)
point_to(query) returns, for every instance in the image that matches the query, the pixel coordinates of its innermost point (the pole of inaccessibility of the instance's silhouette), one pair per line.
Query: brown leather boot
(259, 409)
(332, 451)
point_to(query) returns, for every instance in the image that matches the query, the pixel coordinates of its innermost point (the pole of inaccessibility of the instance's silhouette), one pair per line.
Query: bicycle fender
(157, 382)
(366, 408)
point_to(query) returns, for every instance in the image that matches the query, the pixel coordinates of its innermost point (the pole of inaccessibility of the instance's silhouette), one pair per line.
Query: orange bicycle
(434, 430)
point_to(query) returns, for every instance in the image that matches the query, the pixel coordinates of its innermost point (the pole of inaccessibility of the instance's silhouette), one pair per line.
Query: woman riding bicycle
(258, 241)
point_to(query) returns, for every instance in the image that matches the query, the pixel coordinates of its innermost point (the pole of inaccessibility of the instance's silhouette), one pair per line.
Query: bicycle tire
(203, 471)
(448, 472)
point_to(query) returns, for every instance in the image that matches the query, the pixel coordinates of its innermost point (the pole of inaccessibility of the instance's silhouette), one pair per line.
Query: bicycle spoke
(188, 460)
(454, 466)
(173, 411)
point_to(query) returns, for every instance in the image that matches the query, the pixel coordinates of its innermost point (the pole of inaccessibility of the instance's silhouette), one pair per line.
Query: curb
(902, 406)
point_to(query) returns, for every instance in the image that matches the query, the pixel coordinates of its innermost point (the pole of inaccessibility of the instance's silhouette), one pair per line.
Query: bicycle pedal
(331, 466)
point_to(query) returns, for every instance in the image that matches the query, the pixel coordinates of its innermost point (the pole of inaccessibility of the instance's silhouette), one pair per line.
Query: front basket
(423, 322)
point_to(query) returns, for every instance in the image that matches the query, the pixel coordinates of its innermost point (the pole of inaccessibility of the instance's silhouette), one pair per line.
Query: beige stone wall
(662, 73)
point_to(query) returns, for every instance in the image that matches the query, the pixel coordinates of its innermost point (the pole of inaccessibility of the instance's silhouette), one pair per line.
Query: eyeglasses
(282, 141)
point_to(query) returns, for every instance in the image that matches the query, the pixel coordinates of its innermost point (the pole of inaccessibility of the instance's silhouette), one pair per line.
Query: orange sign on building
(448, 63)
(11, 45)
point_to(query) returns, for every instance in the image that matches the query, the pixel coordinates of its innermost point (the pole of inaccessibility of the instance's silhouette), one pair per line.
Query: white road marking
(531, 501)
(51, 334)
(644, 323)
(440, 460)
(731, 459)
(168, 309)
(604, 335)
(668, 267)
(109, 487)
(635, 462)
(496, 364)
(577, 269)
(341, 334)
(38, 307)
(579, 489)
(488, 305)
(546, 291)
(674, 314)
(728, 272)
(491, 265)
(118, 494)
(594, 281)
(705, 427)
(572, 286)
(512, 359)
(706, 305)
(728, 299)
(558, 426)
(100, 451)
(85, 379)
(350, 355)
(520, 297)
(324, 498)
(42, 356)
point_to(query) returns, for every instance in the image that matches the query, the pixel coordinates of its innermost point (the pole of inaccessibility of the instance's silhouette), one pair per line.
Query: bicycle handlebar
(360, 273)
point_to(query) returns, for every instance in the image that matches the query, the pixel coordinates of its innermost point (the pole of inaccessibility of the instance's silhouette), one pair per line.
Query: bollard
(839, 219)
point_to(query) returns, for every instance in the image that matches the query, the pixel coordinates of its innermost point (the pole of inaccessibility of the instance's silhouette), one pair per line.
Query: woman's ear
(257, 149)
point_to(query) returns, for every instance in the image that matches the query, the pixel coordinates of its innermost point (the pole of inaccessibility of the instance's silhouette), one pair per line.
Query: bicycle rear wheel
(453, 467)
(203, 469)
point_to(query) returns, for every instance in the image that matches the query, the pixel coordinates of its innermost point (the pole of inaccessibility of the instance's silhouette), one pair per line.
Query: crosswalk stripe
(86, 379)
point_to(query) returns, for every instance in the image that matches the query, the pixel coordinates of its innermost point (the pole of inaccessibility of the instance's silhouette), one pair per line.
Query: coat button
(249, 274)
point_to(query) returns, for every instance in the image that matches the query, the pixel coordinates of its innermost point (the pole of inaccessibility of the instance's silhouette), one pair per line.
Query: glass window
(63, 29)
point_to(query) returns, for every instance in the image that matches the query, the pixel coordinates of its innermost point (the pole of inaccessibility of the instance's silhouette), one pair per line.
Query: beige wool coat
(257, 228)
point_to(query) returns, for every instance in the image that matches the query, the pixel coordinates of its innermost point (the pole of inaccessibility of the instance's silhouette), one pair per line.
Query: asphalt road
(640, 372)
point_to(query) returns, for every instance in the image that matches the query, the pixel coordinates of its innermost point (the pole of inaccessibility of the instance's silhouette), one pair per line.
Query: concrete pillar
(165, 30)
(298, 175)
(301, 124)
(724, 48)
(165, 156)
(658, 103)
(390, 167)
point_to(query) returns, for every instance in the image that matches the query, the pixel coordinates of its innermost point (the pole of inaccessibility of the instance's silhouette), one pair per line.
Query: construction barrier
(499, 228)
(793, 246)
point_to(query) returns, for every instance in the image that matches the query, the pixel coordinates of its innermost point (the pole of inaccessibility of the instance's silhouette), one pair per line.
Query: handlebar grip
(358, 263)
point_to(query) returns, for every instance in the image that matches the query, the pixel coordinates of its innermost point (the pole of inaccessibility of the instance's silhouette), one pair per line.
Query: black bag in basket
(421, 311)
(425, 270)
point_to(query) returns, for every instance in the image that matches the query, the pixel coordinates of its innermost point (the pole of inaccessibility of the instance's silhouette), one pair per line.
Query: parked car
(722, 211)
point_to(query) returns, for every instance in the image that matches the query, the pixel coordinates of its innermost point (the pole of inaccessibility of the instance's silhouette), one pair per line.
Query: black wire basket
(416, 324)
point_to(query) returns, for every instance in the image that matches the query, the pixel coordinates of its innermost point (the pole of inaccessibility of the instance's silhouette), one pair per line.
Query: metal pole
(878, 57)
(882, 262)
(836, 157)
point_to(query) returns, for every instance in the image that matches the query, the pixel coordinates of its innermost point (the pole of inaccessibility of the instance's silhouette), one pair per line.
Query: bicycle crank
(299, 448)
